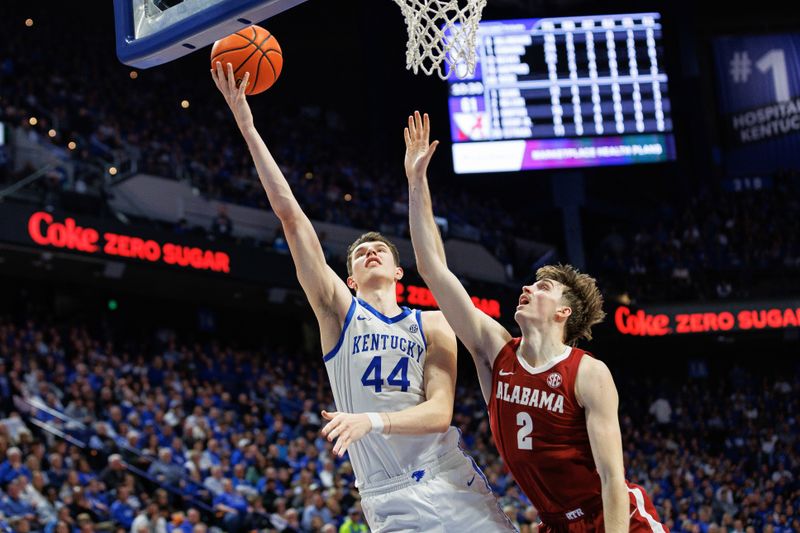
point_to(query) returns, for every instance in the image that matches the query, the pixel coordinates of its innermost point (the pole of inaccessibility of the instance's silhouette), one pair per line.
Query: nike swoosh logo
(469, 483)
(503, 373)
(361, 318)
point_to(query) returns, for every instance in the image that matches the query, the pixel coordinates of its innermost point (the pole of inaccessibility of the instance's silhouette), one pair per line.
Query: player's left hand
(418, 148)
(346, 428)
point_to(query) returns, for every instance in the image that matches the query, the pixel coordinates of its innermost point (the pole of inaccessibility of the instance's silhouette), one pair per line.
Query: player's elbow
(294, 223)
(285, 206)
(424, 267)
(440, 426)
(287, 214)
(430, 269)
(611, 479)
(440, 422)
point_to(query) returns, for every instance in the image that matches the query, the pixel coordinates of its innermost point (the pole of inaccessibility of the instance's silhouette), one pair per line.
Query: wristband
(377, 422)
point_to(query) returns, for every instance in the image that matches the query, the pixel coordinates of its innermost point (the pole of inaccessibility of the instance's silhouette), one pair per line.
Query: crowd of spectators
(180, 437)
(716, 245)
(90, 99)
(711, 245)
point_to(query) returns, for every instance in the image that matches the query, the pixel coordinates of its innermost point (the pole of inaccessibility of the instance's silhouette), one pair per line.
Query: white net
(441, 35)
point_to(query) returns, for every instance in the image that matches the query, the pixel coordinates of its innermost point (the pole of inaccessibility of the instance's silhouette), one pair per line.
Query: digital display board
(563, 92)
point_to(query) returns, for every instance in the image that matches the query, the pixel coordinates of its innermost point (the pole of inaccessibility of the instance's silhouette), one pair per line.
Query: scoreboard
(563, 92)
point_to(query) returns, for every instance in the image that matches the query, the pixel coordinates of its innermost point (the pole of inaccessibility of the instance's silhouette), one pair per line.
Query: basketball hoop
(441, 35)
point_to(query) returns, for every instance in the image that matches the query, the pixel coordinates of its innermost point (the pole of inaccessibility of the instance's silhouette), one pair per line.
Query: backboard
(152, 32)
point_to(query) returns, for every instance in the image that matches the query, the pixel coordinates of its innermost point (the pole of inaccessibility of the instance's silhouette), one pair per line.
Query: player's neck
(538, 347)
(384, 300)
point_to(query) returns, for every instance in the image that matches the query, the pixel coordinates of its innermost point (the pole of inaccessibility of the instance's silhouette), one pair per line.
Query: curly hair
(582, 296)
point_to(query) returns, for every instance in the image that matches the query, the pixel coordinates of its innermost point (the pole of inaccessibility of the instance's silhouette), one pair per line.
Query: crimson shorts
(643, 516)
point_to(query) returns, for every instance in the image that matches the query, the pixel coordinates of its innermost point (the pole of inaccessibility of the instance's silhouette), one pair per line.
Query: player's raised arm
(327, 293)
(595, 389)
(431, 416)
(482, 335)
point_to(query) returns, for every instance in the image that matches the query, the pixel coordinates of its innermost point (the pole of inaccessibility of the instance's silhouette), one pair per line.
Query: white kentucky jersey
(377, 366)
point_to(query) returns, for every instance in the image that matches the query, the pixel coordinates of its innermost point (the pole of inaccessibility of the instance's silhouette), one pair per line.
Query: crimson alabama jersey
(540, 431)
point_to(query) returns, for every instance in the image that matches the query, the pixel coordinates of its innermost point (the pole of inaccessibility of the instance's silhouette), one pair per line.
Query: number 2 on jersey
(372, 375)
(524, 440)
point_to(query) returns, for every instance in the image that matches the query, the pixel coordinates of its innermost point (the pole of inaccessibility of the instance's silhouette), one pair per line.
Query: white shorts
(450, 495)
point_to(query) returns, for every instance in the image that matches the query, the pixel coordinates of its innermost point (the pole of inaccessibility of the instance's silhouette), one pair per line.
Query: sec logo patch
(554, 380)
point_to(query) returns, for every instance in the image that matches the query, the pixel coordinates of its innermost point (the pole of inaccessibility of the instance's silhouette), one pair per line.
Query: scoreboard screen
(563, 92)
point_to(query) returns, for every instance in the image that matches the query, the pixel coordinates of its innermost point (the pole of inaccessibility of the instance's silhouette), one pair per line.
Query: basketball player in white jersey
(392, 370)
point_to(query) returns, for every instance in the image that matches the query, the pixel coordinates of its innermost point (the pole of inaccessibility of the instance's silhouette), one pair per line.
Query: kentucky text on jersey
(373, 342)
(530, 397)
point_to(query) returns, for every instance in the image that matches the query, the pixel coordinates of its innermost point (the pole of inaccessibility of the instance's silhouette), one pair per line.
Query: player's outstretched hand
(419, 149)
(346, 428)
(234, 96)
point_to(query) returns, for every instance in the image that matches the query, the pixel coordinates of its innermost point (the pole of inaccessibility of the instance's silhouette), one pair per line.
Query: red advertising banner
(422, 297)
(42, 229)
(45, 230)
(705, 318)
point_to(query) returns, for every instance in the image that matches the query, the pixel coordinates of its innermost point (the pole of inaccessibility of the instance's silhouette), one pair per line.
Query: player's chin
(523, 315)
(378, 273)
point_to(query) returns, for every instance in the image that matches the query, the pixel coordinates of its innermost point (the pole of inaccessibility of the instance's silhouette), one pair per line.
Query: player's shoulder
(593, 379)
(435, 319)
(592, 368)
(436, 327)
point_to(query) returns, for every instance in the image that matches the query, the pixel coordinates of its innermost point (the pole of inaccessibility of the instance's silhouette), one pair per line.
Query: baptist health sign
(759, 99)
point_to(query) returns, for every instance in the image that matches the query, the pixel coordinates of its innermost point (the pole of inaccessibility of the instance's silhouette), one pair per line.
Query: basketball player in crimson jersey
(552, 406)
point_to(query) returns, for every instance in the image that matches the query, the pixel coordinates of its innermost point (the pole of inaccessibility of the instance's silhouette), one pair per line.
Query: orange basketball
(253, 50)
